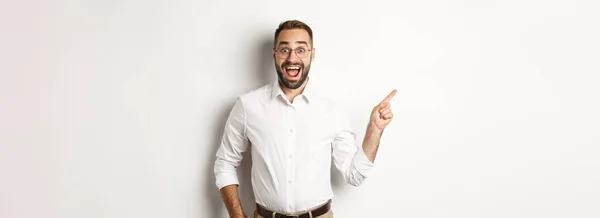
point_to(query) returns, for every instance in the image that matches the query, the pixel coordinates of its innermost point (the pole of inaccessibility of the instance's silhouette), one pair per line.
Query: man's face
(293, 54)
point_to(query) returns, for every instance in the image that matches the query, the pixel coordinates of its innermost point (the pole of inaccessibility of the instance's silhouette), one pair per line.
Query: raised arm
(353, 161)
(381, 116)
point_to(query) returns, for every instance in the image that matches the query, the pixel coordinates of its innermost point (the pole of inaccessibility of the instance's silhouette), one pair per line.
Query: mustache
(287, 63)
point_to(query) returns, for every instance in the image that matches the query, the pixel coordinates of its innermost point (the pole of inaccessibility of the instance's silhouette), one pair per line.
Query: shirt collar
(307, 93)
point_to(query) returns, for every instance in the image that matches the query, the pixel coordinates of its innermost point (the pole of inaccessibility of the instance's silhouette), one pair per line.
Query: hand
(382, 114)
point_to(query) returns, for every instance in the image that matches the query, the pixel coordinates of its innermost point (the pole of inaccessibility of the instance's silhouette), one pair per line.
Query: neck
(290, 94)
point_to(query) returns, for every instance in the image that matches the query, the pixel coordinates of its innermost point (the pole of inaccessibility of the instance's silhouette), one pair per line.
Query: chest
(303, 128)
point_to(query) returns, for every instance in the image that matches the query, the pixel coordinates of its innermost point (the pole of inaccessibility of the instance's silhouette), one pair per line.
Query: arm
(371, 141)
(381, 116)
(355, 162)
(229, 156)
(232, 201)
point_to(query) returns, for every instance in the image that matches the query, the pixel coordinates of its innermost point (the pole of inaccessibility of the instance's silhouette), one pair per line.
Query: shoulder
(256, 95)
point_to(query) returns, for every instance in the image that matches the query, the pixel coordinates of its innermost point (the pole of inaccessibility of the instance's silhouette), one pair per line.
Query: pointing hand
(382, 114)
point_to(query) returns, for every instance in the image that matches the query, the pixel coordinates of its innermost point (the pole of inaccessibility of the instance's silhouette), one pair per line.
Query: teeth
(293, 68)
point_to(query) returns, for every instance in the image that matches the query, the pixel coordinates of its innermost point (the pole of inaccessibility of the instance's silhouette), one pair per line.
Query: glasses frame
(295, 52)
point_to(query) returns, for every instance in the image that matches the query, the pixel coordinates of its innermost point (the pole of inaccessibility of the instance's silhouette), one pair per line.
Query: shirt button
(290, 156)
(290, 181)
(292, 130)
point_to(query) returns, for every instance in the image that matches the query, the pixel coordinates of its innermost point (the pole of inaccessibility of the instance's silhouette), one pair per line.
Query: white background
(115, 108)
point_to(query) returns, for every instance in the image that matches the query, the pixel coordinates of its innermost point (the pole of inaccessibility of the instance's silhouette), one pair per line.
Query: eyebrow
(287, 43)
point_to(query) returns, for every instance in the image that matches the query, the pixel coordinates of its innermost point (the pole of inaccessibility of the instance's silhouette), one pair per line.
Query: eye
(301, 50)
(284, 50)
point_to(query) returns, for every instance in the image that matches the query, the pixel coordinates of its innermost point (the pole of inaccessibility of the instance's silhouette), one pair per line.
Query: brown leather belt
(309, 214)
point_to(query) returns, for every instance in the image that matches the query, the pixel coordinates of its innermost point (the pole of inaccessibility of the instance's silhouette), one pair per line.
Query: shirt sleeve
(233, 143)
(348, 156)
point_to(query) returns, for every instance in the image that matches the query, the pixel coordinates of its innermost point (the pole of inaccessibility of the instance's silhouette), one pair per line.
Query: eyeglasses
(285, 52)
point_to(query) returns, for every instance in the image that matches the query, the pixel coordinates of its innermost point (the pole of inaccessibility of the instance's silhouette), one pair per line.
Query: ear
(312, 56)
(273, 52)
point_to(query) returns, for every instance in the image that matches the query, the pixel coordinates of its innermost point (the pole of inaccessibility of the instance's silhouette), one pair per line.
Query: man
(293, 133)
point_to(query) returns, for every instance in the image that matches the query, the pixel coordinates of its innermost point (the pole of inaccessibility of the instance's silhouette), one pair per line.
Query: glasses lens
(301, 52)
(283, 52)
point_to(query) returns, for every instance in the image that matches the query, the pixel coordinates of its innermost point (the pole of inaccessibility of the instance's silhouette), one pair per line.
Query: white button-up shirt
(292, 145)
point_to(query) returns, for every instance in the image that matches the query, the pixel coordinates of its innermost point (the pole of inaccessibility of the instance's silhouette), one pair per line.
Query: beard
(290, 83)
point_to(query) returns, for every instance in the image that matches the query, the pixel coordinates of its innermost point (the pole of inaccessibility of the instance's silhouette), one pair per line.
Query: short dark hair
(292, 24)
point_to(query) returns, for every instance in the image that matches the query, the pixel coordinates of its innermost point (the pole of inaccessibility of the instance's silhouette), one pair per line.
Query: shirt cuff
(362, 164)
(225, 179)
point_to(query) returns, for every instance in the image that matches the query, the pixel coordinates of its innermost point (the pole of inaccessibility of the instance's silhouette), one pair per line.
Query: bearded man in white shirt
(293, 133)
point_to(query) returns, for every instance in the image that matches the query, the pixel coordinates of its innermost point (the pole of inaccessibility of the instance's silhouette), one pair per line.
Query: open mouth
(292, 71)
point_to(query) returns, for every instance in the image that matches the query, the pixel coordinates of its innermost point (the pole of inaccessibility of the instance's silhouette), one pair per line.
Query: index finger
(389, 97)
